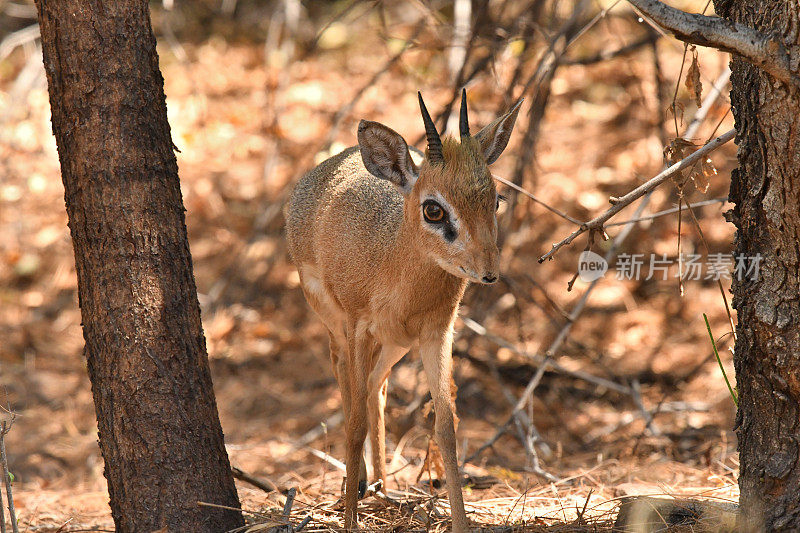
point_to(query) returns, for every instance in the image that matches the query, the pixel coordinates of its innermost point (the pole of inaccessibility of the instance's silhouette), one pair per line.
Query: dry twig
(5, 427)
(266, 485)
(607, 55)
(540, 360)
(18, 38)
(549, 358)
(644, 190)
(597, 224)
(670, 211)
(345, 110)
(535, 199)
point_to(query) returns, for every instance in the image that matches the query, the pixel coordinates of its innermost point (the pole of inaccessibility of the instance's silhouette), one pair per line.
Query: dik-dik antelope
(385, 249)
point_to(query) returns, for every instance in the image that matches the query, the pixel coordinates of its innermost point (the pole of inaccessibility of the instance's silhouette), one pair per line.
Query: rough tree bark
(766, 191)
(157, 417)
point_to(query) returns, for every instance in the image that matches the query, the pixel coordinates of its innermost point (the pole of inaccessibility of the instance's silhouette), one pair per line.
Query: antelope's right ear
(385, 154)
(494, 137)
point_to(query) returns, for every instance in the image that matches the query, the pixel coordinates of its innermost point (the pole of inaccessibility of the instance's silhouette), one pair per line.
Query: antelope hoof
(362, 488)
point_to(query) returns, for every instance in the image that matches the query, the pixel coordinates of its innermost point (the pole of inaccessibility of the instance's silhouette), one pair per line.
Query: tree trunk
(766, 191)
(157, 417)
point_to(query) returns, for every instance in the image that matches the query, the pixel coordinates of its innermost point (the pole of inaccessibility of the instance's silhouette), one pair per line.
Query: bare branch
(18, 38)
(344, 111)
(266, 485)
(549, 358)
(540, 360)
(606, 55)
(597, 223)
(764, 51)
(535, 199)
(5, 427)
(669, 211)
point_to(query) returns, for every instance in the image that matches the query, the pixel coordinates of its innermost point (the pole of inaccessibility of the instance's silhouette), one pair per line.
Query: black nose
(489, 278)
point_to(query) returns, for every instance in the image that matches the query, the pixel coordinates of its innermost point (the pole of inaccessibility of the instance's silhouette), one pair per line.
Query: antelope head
(450, 198)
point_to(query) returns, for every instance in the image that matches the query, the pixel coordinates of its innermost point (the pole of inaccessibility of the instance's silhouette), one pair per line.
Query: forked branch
(597, 223)
(5, 427)
(767, 52)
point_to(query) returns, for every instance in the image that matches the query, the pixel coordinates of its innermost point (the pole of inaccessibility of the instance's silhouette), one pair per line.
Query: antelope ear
(494, 137)
(385, 154)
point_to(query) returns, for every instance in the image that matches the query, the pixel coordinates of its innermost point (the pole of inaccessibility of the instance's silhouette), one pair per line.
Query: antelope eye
(500, 198)
(432, 212)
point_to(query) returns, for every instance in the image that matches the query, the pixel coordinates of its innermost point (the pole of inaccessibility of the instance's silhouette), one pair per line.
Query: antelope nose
(489, 278)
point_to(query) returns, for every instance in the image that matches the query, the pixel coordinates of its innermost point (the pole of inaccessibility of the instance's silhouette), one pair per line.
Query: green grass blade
(719, 362)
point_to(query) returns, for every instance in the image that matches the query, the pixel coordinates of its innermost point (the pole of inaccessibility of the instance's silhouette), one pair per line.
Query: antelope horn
(434, 142)
(463, 121)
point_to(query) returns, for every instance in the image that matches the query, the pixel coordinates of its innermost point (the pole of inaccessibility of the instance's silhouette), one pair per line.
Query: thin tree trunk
(157, 417)
(766, 191)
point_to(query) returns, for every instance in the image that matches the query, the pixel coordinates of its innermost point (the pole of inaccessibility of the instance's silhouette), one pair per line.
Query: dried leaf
(677, 150)
(702, 173)
(693, 83)
(433, 460)
(676, 109)
(709, 170)
(698, 177)
(436, 460)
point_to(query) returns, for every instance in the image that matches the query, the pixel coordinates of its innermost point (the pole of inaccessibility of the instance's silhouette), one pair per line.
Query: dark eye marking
(450, 233)
(433, 212)
(500, 198)
(436, 215)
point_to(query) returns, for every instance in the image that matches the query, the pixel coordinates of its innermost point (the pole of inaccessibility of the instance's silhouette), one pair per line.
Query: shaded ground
(248, 124)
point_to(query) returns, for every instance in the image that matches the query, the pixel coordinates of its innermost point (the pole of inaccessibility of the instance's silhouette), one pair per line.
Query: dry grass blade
(719, 362)
(719, 281)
